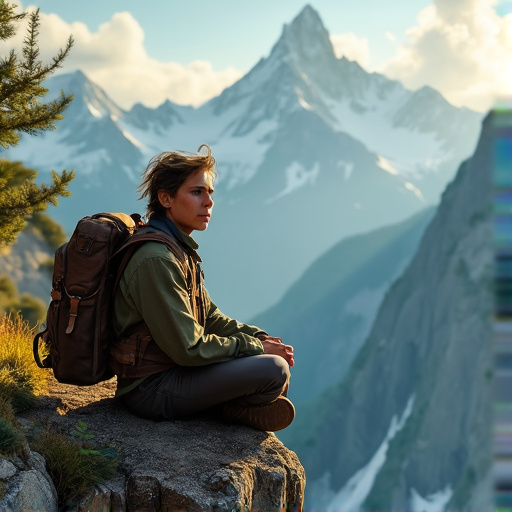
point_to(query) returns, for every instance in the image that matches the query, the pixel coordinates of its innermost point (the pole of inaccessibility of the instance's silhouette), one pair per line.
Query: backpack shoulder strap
(125, 252)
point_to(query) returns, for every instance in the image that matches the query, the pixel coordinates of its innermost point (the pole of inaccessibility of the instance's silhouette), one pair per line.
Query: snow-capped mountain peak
(305, 42)
(88, 97)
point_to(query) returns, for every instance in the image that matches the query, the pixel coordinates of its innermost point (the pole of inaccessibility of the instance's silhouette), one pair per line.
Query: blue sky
(188, 51)
(238, 33)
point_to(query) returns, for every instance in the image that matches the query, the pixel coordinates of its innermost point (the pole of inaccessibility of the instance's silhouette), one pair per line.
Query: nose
(208, 200)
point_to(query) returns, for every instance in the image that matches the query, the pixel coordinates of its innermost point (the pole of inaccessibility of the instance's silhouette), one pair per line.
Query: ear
(165, 198)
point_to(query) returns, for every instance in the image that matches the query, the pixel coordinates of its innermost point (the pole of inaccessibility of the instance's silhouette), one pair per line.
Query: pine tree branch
(7, 17)
(21, 111)
(30, 48)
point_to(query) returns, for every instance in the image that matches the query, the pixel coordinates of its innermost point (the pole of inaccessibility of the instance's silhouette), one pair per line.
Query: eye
(196, 192)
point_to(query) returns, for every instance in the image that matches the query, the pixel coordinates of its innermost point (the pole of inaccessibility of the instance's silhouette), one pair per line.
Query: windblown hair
(168, 171)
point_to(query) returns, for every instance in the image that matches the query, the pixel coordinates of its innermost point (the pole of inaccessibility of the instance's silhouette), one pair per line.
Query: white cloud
(114, 57)
(352, 47)
(460, 48)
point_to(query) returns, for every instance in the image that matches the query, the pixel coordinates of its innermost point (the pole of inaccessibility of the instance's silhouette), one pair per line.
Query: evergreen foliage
(21, 111)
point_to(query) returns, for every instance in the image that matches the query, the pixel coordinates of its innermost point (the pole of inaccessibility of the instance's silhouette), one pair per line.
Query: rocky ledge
(198, 464)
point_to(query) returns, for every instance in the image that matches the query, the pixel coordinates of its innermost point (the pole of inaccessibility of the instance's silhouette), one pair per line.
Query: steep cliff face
(196, 465)
(412, 420)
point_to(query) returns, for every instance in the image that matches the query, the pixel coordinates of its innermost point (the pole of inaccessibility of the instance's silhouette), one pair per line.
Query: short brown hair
(168, 171)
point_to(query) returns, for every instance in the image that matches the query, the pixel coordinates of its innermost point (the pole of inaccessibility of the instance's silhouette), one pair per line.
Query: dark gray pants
(186, 390)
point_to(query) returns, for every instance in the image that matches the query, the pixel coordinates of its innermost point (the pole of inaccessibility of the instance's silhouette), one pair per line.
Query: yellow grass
(20, 377)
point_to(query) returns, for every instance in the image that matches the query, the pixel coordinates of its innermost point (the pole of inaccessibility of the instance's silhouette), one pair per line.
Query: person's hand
(271, 338)
(278, 348)
(262, 337)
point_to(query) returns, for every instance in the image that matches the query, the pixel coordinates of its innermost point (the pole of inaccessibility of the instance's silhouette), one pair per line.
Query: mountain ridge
(268, 132)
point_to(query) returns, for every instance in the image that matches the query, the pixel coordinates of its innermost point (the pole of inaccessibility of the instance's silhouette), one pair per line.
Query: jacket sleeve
(157, 288)
(222, 325)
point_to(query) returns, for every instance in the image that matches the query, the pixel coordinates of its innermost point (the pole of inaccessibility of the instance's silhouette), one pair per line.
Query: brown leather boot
(272, 416)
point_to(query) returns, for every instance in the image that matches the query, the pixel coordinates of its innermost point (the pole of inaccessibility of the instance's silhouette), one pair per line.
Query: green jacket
(154, 289)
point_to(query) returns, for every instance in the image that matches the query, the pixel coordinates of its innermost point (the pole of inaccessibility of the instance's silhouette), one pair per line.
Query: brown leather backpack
(78, 333)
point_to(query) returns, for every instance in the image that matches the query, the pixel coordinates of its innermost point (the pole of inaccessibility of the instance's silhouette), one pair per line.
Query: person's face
(190, 209)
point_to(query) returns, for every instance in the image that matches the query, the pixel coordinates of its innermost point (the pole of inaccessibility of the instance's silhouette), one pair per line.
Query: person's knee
(277, 369)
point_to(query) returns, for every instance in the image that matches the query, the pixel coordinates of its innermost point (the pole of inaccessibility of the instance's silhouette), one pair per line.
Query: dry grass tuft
(20, 378)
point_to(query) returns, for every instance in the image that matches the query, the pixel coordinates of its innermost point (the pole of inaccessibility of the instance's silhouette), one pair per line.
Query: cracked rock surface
(197, 464)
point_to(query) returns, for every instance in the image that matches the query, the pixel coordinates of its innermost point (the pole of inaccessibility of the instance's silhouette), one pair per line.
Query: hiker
(176, 353)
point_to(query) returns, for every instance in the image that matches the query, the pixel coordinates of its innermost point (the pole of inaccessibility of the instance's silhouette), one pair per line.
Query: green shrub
(74, 470)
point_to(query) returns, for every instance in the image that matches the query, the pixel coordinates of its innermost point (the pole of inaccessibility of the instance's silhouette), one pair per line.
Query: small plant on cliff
(73, 468)
(20, 379)
(87, 442)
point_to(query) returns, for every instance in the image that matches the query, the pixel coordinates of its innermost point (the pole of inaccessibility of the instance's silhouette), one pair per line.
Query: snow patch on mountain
(386, 165)
(415, 190)
(93, 110)
(433, 502)
(132, 139)
(354, 492)
(413, 153)
(302, 101)
(297, 176)
(241, 157)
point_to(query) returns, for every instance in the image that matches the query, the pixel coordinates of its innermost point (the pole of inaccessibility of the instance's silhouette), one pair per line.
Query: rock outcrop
(198, 464)
(26, 485)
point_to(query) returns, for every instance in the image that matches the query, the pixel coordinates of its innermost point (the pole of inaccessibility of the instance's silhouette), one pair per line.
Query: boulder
(26, 485)
(197, 464)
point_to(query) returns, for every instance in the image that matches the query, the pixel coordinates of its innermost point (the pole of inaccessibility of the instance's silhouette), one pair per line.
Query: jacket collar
(163, 223)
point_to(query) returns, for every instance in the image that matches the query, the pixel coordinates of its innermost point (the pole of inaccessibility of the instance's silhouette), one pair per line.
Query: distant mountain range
(310, 149)
(410, 425)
